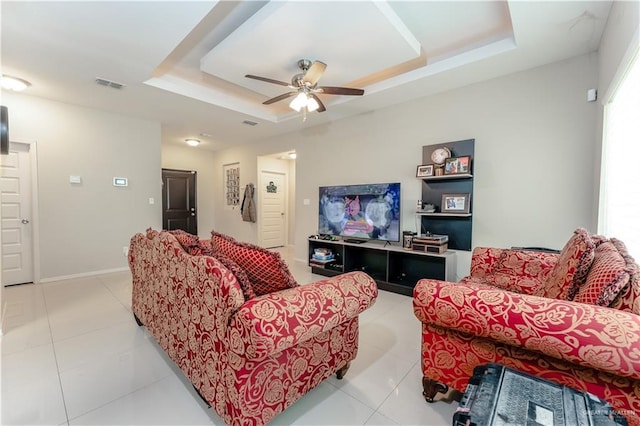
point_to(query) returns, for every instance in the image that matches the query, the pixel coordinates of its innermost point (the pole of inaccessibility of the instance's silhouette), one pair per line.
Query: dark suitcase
(499, 396)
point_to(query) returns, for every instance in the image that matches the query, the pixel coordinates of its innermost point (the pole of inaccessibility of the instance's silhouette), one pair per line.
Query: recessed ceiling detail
(374, 45)
(315, 30)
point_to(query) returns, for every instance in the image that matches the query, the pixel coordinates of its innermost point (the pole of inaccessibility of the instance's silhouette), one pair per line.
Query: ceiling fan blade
(268, 80)
(314, 73)
(340, 91)
(279, 98)
(321, 107)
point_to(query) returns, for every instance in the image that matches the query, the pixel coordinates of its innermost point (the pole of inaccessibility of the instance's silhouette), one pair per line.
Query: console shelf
(394, 268)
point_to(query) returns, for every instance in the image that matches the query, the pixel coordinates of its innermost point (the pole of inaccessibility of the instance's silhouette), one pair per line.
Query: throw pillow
(240, 274)
(609, 274)
(571, 269)
(188, 241)
(266, 269)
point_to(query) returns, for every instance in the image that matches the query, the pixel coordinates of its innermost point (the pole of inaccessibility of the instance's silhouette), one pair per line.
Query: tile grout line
(55, 355)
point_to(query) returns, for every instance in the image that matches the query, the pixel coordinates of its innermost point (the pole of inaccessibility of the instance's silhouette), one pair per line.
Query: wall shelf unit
(393, 268)
(458, 226)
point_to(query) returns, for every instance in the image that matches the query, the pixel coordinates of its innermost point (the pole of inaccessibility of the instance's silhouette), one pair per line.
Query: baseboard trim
(83, 275)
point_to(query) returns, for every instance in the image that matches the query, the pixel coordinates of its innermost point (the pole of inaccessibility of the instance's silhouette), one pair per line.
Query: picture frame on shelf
(459, 203)
(457, 165)
(424, 170)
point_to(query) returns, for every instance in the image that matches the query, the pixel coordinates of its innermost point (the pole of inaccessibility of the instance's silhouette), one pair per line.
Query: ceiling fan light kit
(306, 90)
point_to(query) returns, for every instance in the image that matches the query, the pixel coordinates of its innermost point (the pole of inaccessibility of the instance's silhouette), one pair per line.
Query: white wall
(83, 228)
(622, 27)
(201, 161)
(535, 141)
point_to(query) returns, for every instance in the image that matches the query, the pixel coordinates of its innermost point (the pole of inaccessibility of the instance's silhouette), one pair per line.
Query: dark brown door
(179, 209)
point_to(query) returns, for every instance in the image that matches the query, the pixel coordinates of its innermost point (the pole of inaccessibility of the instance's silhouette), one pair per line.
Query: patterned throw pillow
(609, 274)
(266, 269)
(188, 241)
(571, 269)
(240, 274)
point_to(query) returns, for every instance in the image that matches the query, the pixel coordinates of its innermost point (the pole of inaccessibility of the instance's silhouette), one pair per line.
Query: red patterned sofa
(572, 318)
(249, 356)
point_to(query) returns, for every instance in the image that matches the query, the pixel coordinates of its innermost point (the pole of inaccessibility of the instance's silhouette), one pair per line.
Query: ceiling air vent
(109, 83)
(249, 123)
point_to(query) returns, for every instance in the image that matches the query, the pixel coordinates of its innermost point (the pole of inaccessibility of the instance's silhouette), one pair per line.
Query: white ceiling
(183, 63)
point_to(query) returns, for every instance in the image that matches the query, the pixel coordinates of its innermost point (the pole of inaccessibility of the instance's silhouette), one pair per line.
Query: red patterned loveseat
(250, 356)
(572, 318)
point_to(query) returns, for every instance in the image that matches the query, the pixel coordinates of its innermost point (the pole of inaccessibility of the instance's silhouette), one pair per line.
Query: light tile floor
(73, 355)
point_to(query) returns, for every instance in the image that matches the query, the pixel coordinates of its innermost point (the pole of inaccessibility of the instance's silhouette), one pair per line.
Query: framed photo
(456, 203)
(425, 170)
(457, 165)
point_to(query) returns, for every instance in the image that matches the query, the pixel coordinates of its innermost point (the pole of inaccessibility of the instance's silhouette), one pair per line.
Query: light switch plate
(75, 179)
(120, 181)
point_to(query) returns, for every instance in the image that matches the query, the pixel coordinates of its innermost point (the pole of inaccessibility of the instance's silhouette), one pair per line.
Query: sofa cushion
(266, 269)
(571, 269)
(609, 274)
(510, 282)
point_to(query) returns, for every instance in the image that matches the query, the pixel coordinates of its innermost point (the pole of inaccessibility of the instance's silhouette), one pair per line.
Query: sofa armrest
(597, 337)
(276, 321)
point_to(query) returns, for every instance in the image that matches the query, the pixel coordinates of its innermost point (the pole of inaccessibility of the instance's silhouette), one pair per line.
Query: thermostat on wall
(120, 181)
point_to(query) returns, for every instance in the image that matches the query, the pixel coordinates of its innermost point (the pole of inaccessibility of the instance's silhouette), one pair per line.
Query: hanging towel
(248, 208)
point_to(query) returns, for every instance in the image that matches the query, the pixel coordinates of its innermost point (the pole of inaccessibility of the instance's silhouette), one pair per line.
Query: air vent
(109, 83)
(249, 123)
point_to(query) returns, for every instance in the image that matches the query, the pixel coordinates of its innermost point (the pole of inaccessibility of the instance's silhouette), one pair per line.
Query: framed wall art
(425, 170)
(456, 203)
(457, 165)
(231, 179)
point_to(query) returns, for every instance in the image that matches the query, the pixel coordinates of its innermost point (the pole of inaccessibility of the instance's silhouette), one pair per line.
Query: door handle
(25, 221)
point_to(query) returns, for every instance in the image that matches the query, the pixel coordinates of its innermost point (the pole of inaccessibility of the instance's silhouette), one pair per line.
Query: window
(620, 181)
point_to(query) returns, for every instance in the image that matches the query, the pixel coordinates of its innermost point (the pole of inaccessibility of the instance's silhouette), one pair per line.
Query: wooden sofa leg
(340, 373)
(431, 388)
(138, 320)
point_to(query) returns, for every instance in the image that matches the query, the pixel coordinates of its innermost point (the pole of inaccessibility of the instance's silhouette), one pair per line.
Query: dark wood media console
(394, 268)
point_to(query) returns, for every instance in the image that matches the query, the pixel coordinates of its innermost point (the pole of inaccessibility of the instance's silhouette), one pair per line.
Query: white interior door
(15, 200)
(272, 218)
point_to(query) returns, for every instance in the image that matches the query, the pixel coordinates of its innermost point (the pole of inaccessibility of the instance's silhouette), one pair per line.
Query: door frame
(285, 224)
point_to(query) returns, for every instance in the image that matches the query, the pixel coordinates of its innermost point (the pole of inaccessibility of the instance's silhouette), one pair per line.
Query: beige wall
(201, 161)
(620, 34)
(83, 228)
(535, 141)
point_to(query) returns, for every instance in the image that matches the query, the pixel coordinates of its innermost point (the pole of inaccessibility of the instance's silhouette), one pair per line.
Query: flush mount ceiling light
(13, 83)
(192, 142)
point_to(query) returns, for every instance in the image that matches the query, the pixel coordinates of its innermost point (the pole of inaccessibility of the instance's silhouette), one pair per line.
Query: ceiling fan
(305, 87)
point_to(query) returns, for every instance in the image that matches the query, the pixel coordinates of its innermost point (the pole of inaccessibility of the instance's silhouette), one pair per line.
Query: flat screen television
(367, 211)
(4, 130)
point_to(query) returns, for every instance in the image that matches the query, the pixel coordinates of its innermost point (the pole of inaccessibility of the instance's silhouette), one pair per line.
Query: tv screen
(4, 130)
(369, 211)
